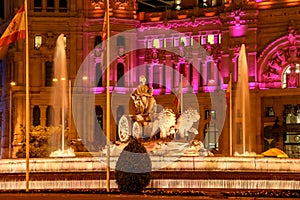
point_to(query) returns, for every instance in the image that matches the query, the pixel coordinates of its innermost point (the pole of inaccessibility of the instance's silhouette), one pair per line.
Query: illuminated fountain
(184, 171)
(242, 121)
(59, 98)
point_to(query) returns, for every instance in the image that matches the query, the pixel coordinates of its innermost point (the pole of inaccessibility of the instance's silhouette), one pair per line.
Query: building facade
(161, 42)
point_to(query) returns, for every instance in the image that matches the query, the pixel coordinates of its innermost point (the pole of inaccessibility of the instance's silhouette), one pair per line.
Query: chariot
(146, 121)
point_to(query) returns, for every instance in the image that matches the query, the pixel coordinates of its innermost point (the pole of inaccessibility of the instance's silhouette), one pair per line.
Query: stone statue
(142, 97)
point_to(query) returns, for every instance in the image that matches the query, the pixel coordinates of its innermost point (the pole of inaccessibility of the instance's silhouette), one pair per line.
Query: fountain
(59, 97)
(241, 119)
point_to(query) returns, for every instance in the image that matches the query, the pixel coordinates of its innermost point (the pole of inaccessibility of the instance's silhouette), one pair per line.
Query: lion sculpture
(164, 121)
(185, 122)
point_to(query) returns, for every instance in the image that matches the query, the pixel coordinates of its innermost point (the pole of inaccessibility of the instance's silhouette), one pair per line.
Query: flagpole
(107, 99)
(230, 114)
(27, 129)
(181, 94)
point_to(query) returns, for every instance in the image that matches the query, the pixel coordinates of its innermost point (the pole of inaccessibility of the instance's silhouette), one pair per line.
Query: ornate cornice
(173, 24)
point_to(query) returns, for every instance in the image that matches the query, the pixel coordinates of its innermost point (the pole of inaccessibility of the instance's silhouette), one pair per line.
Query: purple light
(238, 30)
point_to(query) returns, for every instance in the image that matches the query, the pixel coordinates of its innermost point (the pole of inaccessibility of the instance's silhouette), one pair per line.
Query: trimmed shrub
(133, 168)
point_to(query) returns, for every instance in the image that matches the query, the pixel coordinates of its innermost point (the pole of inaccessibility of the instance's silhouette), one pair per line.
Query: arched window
(49, 73)
(290, 76)
(36, 116)
(120, 75)
(49, 116)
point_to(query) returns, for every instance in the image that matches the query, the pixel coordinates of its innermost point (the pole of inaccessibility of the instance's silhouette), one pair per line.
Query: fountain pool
(184, 172)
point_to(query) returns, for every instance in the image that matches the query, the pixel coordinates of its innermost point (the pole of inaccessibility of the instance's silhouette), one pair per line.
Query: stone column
(4, 135)
(44, 5)
(43, 117)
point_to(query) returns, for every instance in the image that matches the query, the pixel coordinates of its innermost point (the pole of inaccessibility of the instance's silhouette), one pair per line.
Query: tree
(41, 142)
(133, 168)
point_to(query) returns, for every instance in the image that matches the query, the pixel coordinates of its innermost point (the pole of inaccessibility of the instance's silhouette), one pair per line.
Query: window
(63, 5)
(120, 113)
(203, 39)
(182, 41)
(99, 138)
(292, 144)
(191, 75)
(37, 42)
(50, 5)
(37, 5)
(201, 74)
(49, 73)
(120, 41)
(36, 116)
(50, 116)
(182, 69)
(211, 39)
(156, 77)
(210, 113)
(98, 40)
(155, 43)
(149, 44)
(2, 9)
(290, 76)
(120, 75)
(99, 115)
(98, 75)
(209, 68)
(176, 42)
(211, 136)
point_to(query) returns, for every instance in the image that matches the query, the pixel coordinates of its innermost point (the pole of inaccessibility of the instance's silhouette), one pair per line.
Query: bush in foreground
(133, 168)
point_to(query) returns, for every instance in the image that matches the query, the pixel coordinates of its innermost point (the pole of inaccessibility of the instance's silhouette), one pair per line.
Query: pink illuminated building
(161, 40)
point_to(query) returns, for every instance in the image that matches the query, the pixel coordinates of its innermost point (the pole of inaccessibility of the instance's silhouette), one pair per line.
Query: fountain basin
(184, 172)
(79, 164)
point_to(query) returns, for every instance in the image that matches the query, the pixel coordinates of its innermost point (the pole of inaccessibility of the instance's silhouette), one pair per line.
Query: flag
(14, 31)
(228, 90)
(104, 37)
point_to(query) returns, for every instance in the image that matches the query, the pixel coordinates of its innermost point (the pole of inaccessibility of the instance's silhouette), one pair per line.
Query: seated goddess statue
(142, 97)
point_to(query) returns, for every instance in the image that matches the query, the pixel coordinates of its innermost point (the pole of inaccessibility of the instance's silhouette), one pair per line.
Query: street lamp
(177, 4)
(10, 120)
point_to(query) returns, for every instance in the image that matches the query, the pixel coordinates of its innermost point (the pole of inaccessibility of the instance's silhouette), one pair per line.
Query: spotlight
(177, 4)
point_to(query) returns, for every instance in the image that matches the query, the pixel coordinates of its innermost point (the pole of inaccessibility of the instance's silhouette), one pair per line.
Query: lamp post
(10, 120)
